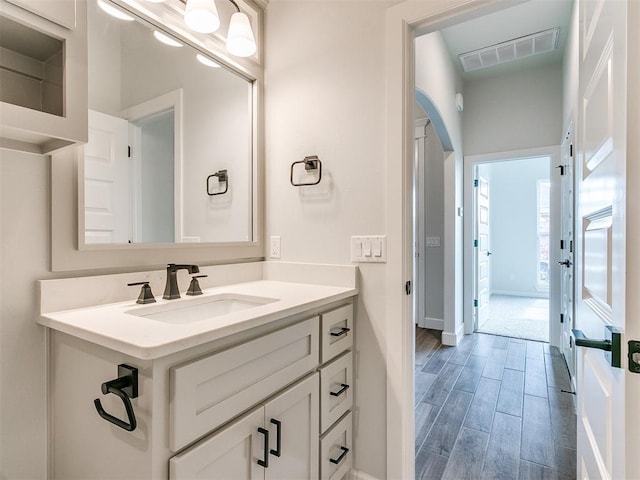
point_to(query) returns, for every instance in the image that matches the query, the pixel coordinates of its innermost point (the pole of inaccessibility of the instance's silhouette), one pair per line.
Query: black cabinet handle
(344, 388)
(278, 451)
(336, 461)
(342, 331)
(265, 463)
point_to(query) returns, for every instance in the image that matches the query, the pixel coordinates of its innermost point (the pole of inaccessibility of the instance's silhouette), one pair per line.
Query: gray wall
(25, 258)
(434, 225)
(325, 67)
(514, 111)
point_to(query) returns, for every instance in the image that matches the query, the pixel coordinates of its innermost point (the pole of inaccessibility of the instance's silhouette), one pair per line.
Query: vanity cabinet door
(292, 418)
(231, 453)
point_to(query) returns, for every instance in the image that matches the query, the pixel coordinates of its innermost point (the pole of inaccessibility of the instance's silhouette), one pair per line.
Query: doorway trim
(403, 22)
(470, 162)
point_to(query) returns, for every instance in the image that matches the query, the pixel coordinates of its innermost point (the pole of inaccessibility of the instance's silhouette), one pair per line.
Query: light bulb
(166, 39)
(114, 12)
(201, 16)
(206, 61)
(240, 39)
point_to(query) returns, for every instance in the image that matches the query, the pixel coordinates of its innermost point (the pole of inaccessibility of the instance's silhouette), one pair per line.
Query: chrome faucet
(171, 288)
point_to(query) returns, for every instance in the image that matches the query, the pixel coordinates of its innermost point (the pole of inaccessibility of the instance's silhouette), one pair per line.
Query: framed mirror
(171, 165)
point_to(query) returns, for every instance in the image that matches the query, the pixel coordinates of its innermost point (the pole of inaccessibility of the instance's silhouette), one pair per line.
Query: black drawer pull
(278, 451)
(265, 463)
(344, 388)
(342, 331)
(336, 461)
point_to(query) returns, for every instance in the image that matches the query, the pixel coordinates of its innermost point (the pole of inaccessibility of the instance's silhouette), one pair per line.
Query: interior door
(483, 254)
(106, 180)
(567, 249)
(601, 236)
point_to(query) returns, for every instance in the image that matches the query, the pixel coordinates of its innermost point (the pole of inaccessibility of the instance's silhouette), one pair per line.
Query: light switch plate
(433, 241)
(369, 249)
(274, 247)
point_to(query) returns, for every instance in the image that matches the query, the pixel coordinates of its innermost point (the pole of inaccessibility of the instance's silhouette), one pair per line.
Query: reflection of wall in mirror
(216, 119)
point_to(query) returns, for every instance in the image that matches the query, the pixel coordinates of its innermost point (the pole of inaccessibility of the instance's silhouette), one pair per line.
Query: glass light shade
(240, 39)
(202, 16)
(206, 61)
(114, 12)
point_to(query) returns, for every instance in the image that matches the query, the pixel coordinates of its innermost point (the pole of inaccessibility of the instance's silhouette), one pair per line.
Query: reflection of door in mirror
(130, 188)
(106, 180)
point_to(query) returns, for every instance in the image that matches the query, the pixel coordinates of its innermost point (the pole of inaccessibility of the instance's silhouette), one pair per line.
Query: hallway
(521, 317)
(492, 407)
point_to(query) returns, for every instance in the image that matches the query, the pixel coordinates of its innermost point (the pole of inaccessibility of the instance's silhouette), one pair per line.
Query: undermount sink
(201, 308)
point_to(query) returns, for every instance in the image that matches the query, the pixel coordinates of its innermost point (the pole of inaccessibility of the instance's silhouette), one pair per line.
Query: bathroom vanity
(252, 379)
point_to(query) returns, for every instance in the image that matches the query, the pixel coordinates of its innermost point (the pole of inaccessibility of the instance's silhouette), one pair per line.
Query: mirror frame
(68, 252)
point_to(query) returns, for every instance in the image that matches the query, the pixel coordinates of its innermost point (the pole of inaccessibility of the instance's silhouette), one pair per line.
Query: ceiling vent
(534, 44)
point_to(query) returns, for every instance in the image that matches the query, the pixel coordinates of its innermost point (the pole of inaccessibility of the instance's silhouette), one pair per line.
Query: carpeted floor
(519, 317)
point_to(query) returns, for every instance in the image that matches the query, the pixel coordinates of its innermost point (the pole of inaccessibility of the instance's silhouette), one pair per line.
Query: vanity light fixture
(240, 39)
(202, 16)
(206, 61)
(166, 39)
(114, 12)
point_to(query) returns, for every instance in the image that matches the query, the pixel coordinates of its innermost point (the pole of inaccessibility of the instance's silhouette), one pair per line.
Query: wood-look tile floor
(493, 408)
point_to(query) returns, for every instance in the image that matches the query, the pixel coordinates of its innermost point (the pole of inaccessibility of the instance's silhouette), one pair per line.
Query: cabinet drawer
(337, 332)
(207, 392)
(336, 390)
(336, 451)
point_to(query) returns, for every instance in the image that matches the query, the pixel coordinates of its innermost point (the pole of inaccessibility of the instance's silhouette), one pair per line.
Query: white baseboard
(452, 339)
(433, 323)
(514, 293)
(358, 475)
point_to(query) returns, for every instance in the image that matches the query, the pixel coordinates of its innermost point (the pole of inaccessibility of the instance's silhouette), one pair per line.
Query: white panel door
(107, 180)
(601, 287)
(566, 252)
(483, 253)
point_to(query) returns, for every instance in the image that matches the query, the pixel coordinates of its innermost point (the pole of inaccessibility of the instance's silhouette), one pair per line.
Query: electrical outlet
(274, 247)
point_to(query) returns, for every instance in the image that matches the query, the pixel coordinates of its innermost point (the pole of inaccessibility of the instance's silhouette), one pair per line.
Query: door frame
(403, 21)
(470, 163)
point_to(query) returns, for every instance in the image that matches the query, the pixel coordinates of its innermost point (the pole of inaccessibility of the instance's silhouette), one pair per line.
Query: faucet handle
(194, 286)
(146, 295)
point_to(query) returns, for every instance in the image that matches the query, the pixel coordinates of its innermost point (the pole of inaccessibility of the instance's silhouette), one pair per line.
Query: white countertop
(113, 327)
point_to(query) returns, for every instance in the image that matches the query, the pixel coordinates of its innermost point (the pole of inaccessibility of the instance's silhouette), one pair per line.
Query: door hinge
(561, 244)
(129, 151)
(562, 318)
(561, 167)
(475, 302)
(475, 183)
(570, 342)
(571, 150)
(407, 287)
(571, 246)
(475, 243)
